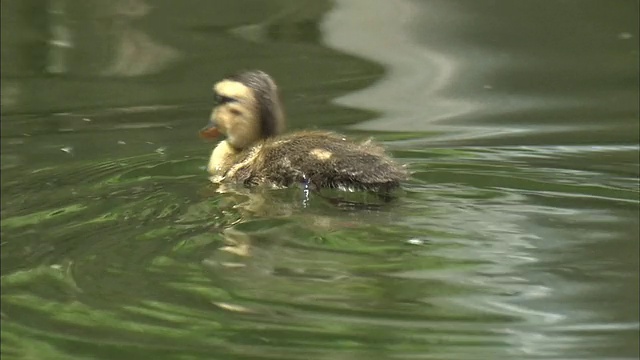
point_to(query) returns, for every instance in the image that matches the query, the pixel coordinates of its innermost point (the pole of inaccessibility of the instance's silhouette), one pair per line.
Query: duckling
(248, 112)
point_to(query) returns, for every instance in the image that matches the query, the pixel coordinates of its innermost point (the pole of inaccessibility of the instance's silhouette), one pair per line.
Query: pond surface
(516, 238)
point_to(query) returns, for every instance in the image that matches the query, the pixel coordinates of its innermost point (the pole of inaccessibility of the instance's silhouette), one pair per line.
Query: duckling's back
(322, 159)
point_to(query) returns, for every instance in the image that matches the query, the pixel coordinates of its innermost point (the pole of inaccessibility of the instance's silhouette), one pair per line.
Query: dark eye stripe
(220, 99)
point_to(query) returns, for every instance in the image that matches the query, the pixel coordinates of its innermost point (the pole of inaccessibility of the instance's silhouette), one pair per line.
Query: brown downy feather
(321, 159)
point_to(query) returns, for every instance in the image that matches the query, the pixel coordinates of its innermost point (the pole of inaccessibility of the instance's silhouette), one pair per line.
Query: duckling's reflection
(315, 210)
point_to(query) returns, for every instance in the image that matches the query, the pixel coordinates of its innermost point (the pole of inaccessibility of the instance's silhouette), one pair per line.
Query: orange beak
(209, 132)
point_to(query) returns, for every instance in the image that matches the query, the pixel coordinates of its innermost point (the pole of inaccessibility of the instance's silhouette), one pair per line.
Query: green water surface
(516, 237)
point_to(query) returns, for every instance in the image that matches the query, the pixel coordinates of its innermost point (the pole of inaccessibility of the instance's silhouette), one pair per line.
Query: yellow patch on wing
(321, 154)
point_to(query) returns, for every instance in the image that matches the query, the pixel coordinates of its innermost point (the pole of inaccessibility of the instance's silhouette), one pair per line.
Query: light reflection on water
(415, 75)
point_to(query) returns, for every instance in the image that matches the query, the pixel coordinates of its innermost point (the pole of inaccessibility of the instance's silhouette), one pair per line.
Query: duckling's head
(247, 109)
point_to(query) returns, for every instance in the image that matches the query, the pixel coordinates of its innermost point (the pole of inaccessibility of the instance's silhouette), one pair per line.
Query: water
(516, 238)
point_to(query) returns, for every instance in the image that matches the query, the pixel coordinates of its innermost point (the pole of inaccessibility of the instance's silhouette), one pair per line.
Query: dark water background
(517, 237)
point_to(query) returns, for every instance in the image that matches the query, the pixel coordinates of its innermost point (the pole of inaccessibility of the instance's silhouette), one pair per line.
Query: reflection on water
(479, 81)
(118, 46)
(412, 69)
(114, 244)
(135, 52)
